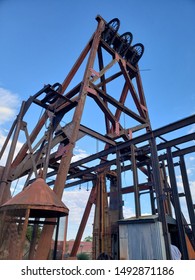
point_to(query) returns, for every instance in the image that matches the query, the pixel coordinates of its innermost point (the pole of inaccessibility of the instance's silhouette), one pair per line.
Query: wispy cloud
(79, 154)
(191, 158)
(9, 103)
(76, 201)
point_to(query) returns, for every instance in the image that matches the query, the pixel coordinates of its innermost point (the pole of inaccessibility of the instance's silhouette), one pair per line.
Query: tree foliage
(88, 239)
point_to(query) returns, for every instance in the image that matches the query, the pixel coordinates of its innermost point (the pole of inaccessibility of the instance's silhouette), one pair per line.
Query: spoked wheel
(126, 40)
(134, 53)
(110, 30)
(57, 87)
(52, 94)
(114, 24)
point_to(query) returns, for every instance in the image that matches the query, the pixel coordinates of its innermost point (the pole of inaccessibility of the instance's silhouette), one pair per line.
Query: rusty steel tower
(111, 81)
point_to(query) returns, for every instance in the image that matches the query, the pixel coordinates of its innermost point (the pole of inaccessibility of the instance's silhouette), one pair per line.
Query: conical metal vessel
(40, 199)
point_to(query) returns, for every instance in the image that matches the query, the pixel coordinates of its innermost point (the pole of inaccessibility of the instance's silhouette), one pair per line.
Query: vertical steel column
(23, 236)
(114, 215)
(135, 183)
(167, 190)
(116, 208)
(98, 221)
(34, 239)
(152, 198)
(159, 195)
(56, 239)
(65, 237)
(119, 185)
(101, 226)
(187, 194)
(177, 207)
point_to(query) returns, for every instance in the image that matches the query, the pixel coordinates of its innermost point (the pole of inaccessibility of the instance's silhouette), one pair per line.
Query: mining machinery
(109, 78)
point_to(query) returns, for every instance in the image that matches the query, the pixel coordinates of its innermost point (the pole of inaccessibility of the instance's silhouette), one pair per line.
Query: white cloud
(189, 171)
(76, 201)
(9, 103)
(191, 158)
(192, 187)
(5, 154)
(181, 190)
(2, 138)
(128, 212)
(79, 154)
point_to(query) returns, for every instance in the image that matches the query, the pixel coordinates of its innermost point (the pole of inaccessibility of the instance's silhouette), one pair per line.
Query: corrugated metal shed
(141, 239)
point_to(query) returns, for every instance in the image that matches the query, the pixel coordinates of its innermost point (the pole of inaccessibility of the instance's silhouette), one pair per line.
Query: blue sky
(41, 40)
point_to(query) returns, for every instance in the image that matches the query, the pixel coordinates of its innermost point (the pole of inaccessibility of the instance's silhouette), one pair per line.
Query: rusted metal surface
(40, 199)
(123, 151)
(42, 251)
(30, 206)
(102, 225)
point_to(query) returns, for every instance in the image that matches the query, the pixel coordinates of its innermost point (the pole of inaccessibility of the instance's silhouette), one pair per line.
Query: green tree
(29, 232)
(88, 239)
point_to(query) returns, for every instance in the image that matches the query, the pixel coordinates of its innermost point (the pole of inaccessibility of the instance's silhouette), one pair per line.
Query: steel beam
(135, 183)
(159, 195)
(177, 207)
(42, 251)
(188, 195)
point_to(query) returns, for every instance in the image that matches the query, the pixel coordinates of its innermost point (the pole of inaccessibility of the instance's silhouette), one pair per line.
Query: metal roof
(40, 199)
